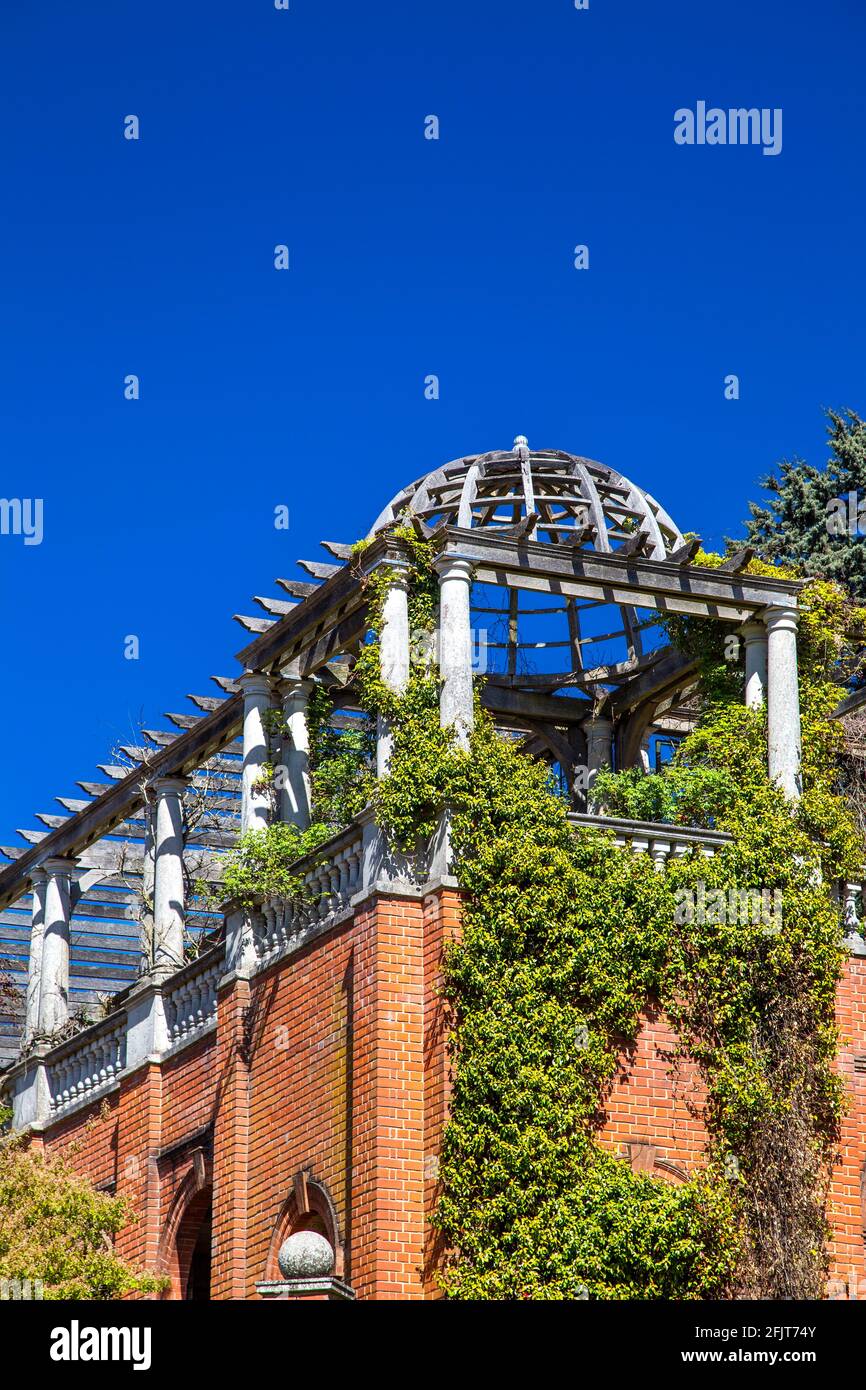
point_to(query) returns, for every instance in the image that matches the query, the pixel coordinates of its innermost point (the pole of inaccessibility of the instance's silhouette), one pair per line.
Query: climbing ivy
(262, 864)
(566, 940)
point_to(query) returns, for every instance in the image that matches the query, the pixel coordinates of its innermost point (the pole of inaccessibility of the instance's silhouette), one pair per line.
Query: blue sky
(408, 257)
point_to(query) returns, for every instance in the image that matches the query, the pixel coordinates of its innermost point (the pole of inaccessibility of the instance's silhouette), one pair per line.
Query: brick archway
(184, 1250)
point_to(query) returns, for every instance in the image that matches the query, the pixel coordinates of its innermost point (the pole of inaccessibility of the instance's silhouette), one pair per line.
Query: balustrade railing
(329, 877)
(190, 997)
(660, 841)
(85, 1067)
(853, 900)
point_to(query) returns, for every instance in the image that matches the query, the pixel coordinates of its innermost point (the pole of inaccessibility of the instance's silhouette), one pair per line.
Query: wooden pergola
(521, 539)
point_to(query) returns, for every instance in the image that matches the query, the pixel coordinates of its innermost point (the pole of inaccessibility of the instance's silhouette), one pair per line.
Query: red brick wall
(334, 1061)
(848, 1191)
(650, 1113)
(650, 1120)
(441, 925)
(387, 1065)
(301, 1086)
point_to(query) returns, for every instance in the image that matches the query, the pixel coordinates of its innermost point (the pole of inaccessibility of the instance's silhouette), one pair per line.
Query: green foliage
(792, 528)
(262, 863)
(682, 796)
(563, 940)
(566, 939)
(340, 763)
(55, 1227)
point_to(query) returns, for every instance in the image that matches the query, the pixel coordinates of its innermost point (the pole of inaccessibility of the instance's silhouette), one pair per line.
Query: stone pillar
(148, 871)
(255, 801)
(599, 736)
(455, 645)
(168, 887)
(755, 639)
(645, 753)
(54, 989)
(783, 699)
(38, 884)
(295, 804)
(393, 656)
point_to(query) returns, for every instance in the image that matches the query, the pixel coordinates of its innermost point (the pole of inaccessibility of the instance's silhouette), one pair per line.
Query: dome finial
(521, 440)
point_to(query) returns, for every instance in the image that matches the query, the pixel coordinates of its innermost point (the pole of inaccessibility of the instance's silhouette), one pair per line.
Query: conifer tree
(816, 518)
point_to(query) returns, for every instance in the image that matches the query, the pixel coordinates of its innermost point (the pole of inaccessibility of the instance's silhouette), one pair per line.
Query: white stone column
(599, 738)
(38, 884)
(645, 753)
(148, 874)
(393, 656)
(54, 988)
(255, 801)
(755, 639)
(455, 645)
(168, 886)
(783, 700)
(295, 804)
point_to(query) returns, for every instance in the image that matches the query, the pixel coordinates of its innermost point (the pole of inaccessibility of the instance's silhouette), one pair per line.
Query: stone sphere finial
(306, 1255)
(521, 440)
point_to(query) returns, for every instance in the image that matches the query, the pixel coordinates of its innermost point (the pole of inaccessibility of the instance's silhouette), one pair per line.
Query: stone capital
(295, 687)
(597, 722)
(170, 786)
(255, 683)
(453, 567)
(781, 617)
(398, 565)
(57, 865)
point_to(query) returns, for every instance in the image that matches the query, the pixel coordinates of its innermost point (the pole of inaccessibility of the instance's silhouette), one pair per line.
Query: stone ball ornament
(306, 1255)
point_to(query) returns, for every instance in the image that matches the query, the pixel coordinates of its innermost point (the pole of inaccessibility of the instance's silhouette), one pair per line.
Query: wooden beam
(328, 602)
(739, 559)
(298, 588)
(276, 606)
(319, 569)
(633, 580)
(253, 624)
(669, 668)
(525, 706)
(334, 641)
(182, 756)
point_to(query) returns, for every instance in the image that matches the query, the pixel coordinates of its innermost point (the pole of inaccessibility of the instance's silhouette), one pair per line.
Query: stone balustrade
(86, 1067)
(660, 841)
(853, 900)
(329, 877)
(190, 997)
